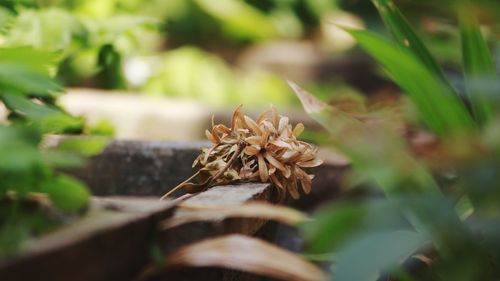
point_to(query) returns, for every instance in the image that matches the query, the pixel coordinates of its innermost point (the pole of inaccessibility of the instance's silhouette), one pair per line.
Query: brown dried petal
(235, 117)
(253, 126)
(283, 123)
(292, 188)
(276, 181)
(310, 164)
(299, 128)
(251, 150)
(254, 140)
(280, 143)
(213, 138)
(305, 179)
(276, 163)
(263, 173)
(275, 116)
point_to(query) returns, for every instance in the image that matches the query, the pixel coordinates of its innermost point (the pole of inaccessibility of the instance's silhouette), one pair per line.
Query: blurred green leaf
(374, 252)
(335, 225)
(366, 144)
(50, 28)
(87, 146)
(50, 118)
(405, 36)
(66, 193)
(26, 71)
(478, 65)
(18, 149)
(239, 18)
(439, 107)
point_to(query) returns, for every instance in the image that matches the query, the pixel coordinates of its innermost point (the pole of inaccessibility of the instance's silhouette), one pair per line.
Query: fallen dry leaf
(247, 254)
(249, 210)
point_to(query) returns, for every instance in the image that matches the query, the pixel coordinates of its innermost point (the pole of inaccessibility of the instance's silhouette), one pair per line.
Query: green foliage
(191, 73)
(66, 193)
(478, 66)
(439, 106)
(30, 187)
(405, 36)
(239, 19)
(440, 197)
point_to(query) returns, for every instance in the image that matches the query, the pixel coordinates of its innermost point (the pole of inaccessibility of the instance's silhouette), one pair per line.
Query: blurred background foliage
(149, 46)
(437, 184)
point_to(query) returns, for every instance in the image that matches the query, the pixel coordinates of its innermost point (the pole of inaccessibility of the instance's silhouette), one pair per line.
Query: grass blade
(405, 36)
(478, 63)
(439, 107)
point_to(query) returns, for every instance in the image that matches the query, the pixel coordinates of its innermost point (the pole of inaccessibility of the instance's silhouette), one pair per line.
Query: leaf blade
(440, 109)
(405, 35)
(247, 254)
(478, 65)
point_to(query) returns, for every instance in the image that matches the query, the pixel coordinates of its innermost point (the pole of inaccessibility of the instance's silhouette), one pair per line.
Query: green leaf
(338, 223)
(87, 146)
(478, 66)
(48, 28)
(49, 118)
(27, 71)
(439, 108)
(405, 36)
(366, 143)
(239, 18)
(66, 193)
(366, 257)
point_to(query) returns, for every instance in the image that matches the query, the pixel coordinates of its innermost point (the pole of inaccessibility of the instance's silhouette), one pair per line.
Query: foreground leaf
(66, 193)
(478, 66)
(340, 223)
(27, 71)
(366, 143)
(249, 210)
(405, 36)
(438, 106)
(368, 256)
(247, 254)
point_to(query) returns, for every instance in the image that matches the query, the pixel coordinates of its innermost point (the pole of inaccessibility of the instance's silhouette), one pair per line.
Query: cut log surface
(218, 196)
(110, 242)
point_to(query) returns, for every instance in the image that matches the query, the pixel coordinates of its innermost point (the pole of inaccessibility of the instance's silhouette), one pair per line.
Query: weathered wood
(139, 168)
(110, 242)
(219, 196)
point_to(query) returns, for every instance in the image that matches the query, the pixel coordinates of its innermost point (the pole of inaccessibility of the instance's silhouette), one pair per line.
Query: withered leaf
(247, 254)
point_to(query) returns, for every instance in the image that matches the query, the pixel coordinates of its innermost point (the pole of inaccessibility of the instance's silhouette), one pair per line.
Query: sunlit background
(159, 69)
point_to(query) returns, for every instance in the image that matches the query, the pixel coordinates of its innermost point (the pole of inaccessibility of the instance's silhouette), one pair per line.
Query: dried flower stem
(179, 185)
(220, 173)
(264, 150)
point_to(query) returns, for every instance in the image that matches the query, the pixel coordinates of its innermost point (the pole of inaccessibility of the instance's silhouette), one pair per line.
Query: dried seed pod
(263, 150)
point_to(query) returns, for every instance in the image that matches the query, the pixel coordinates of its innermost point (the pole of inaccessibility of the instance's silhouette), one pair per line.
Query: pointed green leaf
(438, 106)
(478, 66)
(66, 193)
(374, 252)
(405, 36)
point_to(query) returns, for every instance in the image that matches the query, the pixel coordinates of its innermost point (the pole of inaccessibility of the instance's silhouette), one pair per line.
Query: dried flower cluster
(263, 150)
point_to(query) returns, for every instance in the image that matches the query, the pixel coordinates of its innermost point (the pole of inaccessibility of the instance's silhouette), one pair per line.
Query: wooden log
(218, 196)
(110, 242)
(139, 168)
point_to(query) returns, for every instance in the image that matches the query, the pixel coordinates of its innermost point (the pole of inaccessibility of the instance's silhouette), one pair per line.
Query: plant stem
(179, 185)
